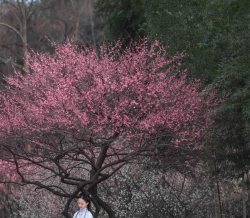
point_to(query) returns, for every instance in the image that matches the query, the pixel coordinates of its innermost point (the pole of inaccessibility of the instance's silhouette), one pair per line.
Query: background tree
(32, 24)
(123, 19)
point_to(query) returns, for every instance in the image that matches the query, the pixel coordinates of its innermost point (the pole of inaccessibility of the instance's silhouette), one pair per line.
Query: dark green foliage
(124, 19)
(212, 32)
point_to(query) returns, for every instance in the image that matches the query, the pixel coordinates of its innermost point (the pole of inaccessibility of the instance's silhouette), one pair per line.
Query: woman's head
(83, 201)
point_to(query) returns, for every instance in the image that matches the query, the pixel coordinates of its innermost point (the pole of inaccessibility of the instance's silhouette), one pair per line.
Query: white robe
(83, 213)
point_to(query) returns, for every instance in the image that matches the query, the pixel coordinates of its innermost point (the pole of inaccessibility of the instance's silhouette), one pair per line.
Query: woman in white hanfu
(84, 205)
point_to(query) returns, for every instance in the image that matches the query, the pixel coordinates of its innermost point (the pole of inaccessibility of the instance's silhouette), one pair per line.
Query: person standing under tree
(84, 207)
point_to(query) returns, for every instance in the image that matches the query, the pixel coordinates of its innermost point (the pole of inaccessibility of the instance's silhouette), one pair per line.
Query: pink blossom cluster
(136, 91)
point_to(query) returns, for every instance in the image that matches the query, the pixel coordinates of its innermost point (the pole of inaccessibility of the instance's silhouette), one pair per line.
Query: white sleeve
(89, 215)
(75, 214)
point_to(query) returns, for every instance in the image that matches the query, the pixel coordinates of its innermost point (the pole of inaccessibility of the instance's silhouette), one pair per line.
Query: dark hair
(86, 198)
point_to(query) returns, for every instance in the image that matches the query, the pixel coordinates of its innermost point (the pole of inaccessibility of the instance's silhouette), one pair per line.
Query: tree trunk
(244, 196)
(92, 24)
(106, 207)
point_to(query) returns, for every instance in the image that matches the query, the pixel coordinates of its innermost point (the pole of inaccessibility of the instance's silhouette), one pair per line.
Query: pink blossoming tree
(80, 116)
